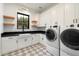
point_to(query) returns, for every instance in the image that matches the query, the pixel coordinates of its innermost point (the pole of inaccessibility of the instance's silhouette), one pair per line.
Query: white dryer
(69, 41)
(51, 40)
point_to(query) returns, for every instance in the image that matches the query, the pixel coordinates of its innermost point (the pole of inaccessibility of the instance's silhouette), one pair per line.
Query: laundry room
(39, 29)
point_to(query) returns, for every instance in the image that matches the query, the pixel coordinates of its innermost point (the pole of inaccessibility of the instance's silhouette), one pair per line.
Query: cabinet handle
(73, 20)
(76, 20)
(16, 41)
(42, 38)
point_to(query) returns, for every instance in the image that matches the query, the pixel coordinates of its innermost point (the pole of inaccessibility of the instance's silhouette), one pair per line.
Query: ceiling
(38, 7)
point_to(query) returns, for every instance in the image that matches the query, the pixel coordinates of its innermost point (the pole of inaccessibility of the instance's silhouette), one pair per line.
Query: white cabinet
(24, 40)
(63, 14)
(28, 40)
(36, 38)
(69, 14)
(60, 14)
(8, 44)
(43, 39)
(15, 42)
(53, 15)
(57, 15)
(77, 12)
(21, 42)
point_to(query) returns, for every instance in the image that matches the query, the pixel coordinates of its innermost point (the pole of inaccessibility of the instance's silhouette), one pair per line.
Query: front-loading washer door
(70, 38)
(51, 35)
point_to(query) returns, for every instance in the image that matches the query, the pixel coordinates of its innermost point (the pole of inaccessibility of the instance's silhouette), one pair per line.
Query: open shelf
(34, 22)
(8, 24)
(34, 25)
(8, 17)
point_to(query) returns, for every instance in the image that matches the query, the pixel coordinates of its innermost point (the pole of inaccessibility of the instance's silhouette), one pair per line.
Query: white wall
(1, 18)
(1, 24)
(12, 9)
(35, 16)
(53, 15)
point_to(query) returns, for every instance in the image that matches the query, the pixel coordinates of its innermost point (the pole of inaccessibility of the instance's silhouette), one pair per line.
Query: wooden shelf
(34, 25)
(8, 24)
(9, 17)
(34, 22)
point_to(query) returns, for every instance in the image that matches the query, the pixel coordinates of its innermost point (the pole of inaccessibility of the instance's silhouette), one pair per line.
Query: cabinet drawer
(11, 37)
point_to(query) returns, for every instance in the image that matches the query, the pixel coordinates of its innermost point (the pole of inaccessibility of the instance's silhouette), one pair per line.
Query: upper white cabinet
(69, 14)
(77, 12)
(53, 16)
(59, 15)
(63, 14)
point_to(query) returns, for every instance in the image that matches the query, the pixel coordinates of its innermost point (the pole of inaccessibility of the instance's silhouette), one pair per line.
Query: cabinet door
(69, 14)
(24, 40)
(21, 42)
(60, 14)
(28, 40)
(77, 12)
(43, 39)
(35, 38)
(8, 44)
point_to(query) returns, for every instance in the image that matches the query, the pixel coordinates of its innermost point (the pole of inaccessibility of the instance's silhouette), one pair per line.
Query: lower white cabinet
(17, 42)
(35, 38)
(24, 40)
(43, 38)
(8, 44)
(21, 42)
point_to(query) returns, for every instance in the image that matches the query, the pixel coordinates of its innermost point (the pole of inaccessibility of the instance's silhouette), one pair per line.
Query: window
(22, 21)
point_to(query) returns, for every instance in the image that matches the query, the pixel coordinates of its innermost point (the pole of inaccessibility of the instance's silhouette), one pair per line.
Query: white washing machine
(51, 40)
(69, 41)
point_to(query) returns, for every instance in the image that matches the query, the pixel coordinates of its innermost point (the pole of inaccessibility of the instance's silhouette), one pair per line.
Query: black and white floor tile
(33, 50)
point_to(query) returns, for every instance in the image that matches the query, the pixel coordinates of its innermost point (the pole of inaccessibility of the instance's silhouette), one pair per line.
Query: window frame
(23, 21)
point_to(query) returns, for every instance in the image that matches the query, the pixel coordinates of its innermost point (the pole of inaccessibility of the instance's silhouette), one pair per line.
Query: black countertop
(16, 33)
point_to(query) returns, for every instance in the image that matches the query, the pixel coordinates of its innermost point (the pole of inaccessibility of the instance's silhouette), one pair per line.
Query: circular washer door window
(70, 38)
(51, 35)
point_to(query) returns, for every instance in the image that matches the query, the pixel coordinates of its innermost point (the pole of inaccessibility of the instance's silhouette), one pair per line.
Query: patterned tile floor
(33, 50)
